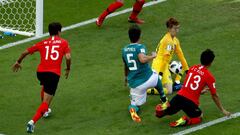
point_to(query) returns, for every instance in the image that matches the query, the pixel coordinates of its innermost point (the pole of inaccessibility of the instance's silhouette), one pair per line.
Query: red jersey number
(196, 80)
(52, 53)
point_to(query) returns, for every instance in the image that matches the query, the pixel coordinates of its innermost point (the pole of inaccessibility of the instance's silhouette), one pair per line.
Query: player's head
(54, 28)
(207, 57)
(134, 33)
(173, 26)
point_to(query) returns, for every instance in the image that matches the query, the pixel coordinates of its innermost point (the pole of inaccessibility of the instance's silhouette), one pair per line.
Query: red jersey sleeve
(34, 48)
(211, 84)
(67, 48)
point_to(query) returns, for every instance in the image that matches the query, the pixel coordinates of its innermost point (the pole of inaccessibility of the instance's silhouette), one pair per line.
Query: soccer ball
(175, 67)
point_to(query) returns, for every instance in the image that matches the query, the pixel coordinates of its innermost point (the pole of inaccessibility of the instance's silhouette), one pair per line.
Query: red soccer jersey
(51, 51)
(197, 78)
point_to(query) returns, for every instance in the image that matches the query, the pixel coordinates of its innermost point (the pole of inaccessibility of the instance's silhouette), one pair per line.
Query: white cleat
(30, 126)
(47, 114)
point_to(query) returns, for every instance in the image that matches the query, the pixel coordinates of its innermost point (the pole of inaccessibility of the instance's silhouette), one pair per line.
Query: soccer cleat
(135, 20)
(134, 116)
(47, 114)
(99, 22)
(160, 109)
(181, 122)
(177, 87)
(30, 126)
(152, 91)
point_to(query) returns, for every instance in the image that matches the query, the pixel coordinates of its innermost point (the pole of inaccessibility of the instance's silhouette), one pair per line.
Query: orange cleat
(181, 122)
(134, 116)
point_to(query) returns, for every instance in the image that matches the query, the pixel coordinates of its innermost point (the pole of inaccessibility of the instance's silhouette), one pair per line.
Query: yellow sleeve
(166, 55)
(181, 57)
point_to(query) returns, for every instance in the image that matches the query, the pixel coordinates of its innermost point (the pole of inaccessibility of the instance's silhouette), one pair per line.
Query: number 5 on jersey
(131, 61)
(53, 54)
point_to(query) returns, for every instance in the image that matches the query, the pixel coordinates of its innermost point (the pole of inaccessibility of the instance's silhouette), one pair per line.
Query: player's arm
(17, 66)
(219, 104)
(212, 88)
(146, 58)
(68, 63)
(165, 58)
(181, 57)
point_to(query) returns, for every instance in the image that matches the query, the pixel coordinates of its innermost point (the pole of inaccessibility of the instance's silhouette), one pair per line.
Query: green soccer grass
(94, 100)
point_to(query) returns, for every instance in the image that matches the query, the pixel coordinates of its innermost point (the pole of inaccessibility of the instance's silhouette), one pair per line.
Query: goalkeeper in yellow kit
(166, 48)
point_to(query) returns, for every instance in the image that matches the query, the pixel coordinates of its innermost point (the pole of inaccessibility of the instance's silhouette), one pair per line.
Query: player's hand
(154, 54)
(226, 113)
(67, 71)
(16, 67)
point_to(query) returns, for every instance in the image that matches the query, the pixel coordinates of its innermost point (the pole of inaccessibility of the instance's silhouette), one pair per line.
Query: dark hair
(54, 28)
(171, 21)
(134, 33)
(207, 57)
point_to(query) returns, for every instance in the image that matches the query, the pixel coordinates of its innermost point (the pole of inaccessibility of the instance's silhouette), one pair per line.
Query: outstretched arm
(146, 58)
(17, 66)
(68, 63)
(219, 105)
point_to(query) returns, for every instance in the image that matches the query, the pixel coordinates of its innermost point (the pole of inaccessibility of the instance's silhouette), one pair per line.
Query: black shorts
(49, 81)
(179, 102)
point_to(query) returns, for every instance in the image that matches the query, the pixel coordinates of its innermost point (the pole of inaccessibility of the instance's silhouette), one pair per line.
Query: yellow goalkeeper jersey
(165, 51)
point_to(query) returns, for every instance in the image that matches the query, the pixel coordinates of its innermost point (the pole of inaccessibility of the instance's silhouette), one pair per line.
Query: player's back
(197, 78)
(138, 72)
(51, 51)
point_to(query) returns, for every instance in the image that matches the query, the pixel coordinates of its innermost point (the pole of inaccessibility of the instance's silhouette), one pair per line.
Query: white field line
(77, 25)
(208, 124)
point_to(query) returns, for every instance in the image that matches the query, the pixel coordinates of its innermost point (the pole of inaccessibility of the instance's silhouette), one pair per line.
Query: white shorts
(138, 95)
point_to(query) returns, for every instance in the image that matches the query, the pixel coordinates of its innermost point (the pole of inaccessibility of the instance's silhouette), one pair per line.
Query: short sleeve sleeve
(67, 48)
(33, 48)
(211, 84)
(142, 49)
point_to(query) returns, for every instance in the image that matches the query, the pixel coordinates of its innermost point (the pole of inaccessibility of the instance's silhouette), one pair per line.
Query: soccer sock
(134, 107)
(194, 120)
(137, 7)
(111, 8)
(40, 111)
(42, 93)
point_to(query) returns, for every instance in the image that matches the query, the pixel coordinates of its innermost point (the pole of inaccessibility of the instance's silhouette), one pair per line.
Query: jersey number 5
(54, 54)
(131, 61)
(195, 84)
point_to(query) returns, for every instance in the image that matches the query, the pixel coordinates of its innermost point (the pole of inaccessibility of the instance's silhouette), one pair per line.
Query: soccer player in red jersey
(137, 7)
(187, 99)
(52, 51)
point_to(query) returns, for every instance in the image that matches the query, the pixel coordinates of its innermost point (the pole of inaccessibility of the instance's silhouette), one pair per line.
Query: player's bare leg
(40, 111)
(111, 8)
(168, 90)
(137, 7)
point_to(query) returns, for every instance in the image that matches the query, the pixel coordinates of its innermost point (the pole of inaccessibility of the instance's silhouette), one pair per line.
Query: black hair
(171, 21)
(54, 28)
(207, 57)
(134, 33)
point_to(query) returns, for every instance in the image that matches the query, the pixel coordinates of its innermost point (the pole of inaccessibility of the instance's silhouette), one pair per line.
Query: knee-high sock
(137, 7)
(111, 8)
(40, 111)
(196, 120)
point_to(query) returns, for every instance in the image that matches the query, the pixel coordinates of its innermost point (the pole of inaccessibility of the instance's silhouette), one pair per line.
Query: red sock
(42, 93)
(111, 8)
(194, 120)
(137, 7)
(40, 111)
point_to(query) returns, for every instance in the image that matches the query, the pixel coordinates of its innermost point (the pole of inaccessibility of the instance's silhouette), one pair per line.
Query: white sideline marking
(208, 124)
(77, 25)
